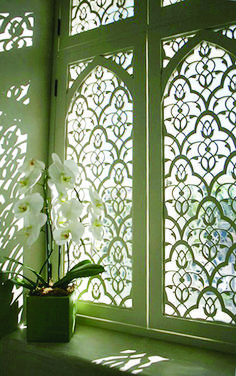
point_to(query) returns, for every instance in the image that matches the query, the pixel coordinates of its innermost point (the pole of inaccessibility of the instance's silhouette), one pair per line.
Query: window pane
(87, 15)
(170, 2)
(200, 187)
(99, 129)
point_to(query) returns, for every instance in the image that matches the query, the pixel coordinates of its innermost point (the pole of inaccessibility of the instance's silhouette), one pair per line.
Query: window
(146, 107)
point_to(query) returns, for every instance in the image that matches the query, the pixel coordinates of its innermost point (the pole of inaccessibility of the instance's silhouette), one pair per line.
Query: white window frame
(144, 34)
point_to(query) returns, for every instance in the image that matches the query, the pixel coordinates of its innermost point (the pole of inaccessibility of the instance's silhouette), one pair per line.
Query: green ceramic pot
(8, 309)
(50, 318)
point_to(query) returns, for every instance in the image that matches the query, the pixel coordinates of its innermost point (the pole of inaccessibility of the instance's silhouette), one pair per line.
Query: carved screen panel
(99, 139)
(172, 46)
(200, 187)
(90, 14)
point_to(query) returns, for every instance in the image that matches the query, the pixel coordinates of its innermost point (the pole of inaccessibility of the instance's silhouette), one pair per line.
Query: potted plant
(50, 306)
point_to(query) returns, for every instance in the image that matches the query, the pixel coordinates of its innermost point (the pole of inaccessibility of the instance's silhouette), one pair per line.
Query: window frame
(144, 33)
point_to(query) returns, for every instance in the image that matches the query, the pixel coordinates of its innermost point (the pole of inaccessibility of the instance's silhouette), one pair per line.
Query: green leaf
(28, 268)
(32, 283)
(21, 283)
(86, 270)
(81, 263)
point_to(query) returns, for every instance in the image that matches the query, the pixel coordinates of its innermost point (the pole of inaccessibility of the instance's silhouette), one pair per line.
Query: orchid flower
(32, 165)
(72, 230)
(32, 170)
(29, 204)
(62, 175)
(97, 204)
(96, 227)
(71, 209)
(32, 226)
(28, 181)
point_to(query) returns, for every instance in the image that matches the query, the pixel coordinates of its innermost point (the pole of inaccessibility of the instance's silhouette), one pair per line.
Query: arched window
(200, 232)
(99, 139)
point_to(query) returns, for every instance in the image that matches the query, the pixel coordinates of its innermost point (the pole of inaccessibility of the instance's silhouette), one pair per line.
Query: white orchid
(32, 170)
(27, 182)
(29, 204)
(32, 165)
(96, 227)
(72, 230)
(62, 175)
(32, 226)
(97, 205)
(62, 214)
(71, 209)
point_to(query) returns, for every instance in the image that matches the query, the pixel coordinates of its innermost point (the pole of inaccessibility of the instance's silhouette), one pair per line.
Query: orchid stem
(59, 262)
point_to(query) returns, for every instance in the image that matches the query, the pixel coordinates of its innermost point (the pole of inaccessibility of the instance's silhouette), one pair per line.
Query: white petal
(72, 209)
(61, 235)
(77, 230)
(56, 159)
(32, 226)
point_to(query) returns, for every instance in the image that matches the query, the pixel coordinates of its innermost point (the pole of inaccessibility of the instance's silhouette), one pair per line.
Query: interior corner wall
(26, 46)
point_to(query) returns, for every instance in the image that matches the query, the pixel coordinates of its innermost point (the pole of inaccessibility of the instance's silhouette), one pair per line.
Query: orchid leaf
(84, 262)
(32, 283)
(86, 270)
(28, 268)
(21, 282)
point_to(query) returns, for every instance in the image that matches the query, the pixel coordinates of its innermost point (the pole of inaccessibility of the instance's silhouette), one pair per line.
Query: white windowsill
(126, 352)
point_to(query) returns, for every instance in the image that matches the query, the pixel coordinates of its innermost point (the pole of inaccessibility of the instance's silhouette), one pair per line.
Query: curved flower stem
(77, 194)
(59, 262)
(48, 231)
(45, 262)
(68, 256)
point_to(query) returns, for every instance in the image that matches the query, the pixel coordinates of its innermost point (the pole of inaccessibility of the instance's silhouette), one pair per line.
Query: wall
(26, 39)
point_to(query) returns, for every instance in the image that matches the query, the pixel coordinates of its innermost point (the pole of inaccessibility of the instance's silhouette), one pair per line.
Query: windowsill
(89, 344)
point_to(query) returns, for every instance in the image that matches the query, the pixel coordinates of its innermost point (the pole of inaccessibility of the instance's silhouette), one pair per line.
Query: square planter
(50, 318)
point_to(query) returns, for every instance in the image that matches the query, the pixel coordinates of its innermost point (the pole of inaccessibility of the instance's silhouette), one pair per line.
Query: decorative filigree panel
(90, 14)
(170, 2)
(229, 32)
(200, 187)
(99, 139)
(76, 69)
(171, 47)
(123, 58)
(16, 32)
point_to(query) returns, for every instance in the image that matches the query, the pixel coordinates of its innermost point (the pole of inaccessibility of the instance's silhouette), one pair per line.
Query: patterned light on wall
(16, 32)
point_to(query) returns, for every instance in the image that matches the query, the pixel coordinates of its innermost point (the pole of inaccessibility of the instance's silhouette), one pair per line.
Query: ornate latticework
(170, 2)
(122, 58)
(76, 69)
(171, 47)
(200, 187)
(90, 14)
(16, 32)
(99, 139)
(229, 31)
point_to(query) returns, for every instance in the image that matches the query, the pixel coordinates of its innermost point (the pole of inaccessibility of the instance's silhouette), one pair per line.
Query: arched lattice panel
(99, 139)
(90, 14)
(199, 112)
